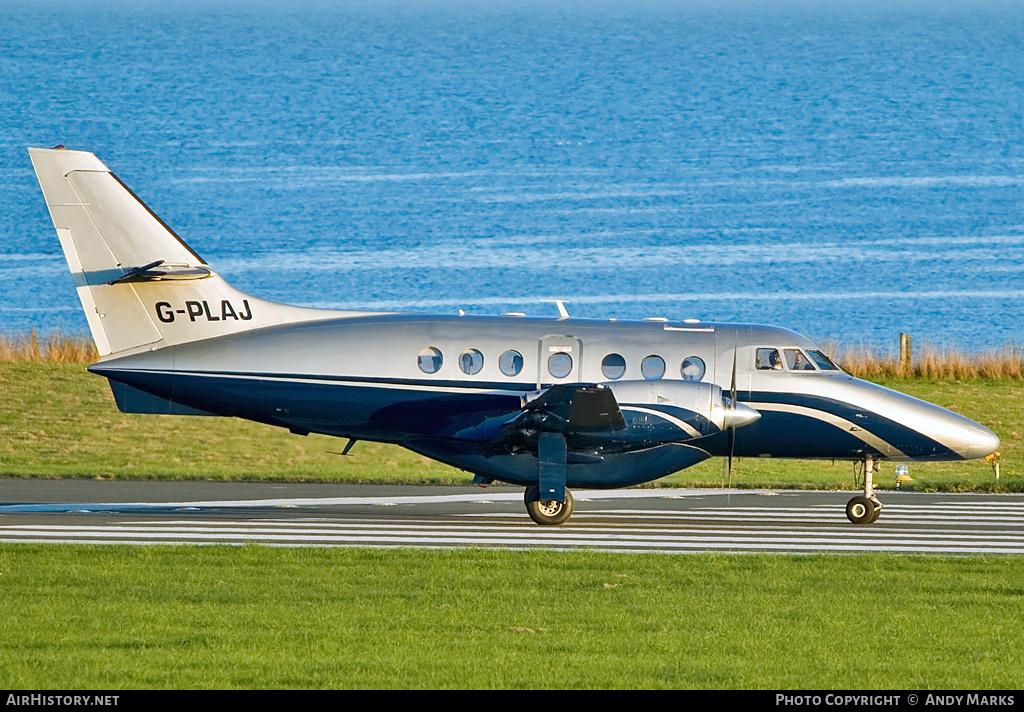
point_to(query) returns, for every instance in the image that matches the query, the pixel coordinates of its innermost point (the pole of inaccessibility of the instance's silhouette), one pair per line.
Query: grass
(57, 420)
(96, 617)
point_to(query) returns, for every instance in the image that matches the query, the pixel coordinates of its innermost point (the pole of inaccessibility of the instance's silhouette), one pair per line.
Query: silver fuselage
(360, 377)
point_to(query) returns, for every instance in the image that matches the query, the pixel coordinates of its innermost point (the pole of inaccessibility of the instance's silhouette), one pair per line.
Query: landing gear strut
(864, 509)
(547, 512)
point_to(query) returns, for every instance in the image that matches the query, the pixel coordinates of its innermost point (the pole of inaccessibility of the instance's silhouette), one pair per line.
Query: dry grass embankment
(932, 363)
(56, 348)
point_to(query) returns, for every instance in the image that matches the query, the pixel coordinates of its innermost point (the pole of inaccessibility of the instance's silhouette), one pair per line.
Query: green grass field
(57, 420)
(261, 617)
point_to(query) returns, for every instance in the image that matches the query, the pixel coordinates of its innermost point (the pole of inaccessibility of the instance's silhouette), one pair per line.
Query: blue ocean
(847, 170)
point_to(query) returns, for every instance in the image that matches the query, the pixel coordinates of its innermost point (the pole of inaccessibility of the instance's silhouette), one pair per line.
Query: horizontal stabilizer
(158, 271)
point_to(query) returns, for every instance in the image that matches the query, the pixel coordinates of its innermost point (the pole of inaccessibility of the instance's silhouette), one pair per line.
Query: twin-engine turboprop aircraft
(542, 403)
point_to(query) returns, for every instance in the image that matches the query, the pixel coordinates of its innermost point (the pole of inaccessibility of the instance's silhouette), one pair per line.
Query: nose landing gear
(864, 509)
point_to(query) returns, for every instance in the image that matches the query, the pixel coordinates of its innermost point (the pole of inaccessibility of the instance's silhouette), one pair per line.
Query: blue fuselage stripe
(375, 408)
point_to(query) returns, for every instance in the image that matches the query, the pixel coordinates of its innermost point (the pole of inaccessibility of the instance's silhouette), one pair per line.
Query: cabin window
(768, 360)
(471, 361)
(510, 363)
(652, 368)
(613, 366)
(823, 361)
(693, 369)
(430, 359)
(796, 361)
(560, 365)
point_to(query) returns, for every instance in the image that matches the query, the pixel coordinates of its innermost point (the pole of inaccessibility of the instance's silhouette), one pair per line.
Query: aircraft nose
(981, 442)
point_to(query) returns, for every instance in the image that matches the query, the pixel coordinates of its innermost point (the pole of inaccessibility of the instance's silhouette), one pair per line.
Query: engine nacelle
(706, 400)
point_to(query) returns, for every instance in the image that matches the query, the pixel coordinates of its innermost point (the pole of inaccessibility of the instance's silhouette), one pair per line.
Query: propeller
(730, 426)
(736, 415)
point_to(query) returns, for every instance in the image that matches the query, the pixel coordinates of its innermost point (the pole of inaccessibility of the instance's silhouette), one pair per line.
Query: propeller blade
(731, 420)
(732, 388)
(727, 474)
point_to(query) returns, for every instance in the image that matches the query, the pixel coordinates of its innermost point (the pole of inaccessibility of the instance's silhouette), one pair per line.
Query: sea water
(848, 172)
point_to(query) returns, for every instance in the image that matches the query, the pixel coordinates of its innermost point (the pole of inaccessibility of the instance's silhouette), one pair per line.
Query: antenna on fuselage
(348, 447)
(563, 313)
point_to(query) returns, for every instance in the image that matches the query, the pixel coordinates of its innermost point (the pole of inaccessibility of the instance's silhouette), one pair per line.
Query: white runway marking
(476, 498)
(993, 527)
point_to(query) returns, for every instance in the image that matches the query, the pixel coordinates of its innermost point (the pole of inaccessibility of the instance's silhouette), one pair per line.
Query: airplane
(542, 403)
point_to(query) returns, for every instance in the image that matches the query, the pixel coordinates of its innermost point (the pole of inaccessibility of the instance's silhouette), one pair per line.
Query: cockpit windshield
(792, 359)
(796, 361)
(823, 361)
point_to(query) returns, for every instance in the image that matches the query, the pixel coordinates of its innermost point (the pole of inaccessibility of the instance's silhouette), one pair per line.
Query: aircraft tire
(861, 510)
(547, 512)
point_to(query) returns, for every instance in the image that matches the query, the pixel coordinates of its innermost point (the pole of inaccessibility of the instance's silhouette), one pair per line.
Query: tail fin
(140, 285)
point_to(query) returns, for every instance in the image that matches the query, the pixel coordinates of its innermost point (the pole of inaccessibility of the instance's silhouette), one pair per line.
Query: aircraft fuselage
(367, 378)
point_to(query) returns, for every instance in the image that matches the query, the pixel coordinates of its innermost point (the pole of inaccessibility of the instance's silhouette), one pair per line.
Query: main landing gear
(547, 512)
(864, 509)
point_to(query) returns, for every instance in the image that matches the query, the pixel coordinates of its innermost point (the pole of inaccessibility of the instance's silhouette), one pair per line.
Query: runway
(637, 520)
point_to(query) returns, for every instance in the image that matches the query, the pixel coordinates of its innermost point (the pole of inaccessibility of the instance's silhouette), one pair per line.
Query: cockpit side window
(797, 361)
(823, 361)
(768, 360)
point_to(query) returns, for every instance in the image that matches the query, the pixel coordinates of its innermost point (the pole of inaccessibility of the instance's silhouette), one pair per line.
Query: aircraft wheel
(878, 511)
(861, 510)
(547, 512)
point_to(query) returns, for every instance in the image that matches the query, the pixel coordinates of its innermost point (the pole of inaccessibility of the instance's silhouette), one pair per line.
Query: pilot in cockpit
(796, 360)
(769, 360)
